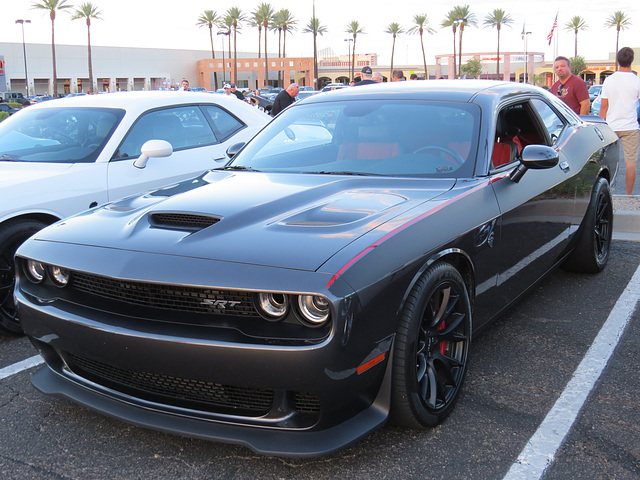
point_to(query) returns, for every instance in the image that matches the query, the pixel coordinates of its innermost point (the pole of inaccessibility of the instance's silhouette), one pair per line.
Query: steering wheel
(56, 134)
(456, 158)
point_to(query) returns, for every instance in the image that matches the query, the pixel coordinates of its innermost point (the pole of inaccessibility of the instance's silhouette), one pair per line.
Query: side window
(182, 127)
(552, 121)
(224, 124)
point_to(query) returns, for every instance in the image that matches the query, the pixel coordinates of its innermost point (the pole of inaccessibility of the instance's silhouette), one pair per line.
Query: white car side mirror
(153, 148)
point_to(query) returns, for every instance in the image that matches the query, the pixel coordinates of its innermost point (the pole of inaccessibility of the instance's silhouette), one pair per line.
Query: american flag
(553, 28)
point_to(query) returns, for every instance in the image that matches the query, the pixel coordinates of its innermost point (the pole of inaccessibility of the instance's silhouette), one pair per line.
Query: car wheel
(431, 348)
(591, 252)
(12, 235)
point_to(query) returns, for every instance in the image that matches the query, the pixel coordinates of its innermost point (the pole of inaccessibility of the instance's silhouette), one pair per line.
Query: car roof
(137, 101)
(447, 90)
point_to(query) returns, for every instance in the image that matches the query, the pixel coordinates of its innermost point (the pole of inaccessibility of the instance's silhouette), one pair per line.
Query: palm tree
(235, 17)
(620, 21)
(421, 25)
(256, 20)
(209, 18)
(265, 12)
(282, 21)
(497, 19)
(354, 29)
(52, 6)
(394, 29)
(451, 21)
(316, 29)
(88, 11)
(575, 24)
(226, 24)
(464, 17)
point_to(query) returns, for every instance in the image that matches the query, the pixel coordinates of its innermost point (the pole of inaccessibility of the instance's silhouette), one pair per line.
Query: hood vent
(182, 221)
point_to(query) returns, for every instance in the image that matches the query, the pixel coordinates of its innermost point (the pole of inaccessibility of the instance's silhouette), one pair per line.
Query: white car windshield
(63, 135)
(368, 137)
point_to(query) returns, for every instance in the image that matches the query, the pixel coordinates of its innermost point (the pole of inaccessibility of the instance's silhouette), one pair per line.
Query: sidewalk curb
(626, 219)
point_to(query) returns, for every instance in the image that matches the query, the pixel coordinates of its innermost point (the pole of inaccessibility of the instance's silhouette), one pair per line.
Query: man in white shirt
(620, 94)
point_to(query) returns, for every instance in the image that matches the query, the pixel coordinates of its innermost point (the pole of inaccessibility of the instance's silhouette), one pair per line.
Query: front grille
(171, 297)
(182, 221)
(306, 403)
(176, 391)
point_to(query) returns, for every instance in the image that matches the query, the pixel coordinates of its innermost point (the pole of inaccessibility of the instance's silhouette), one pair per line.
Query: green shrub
(3, 115)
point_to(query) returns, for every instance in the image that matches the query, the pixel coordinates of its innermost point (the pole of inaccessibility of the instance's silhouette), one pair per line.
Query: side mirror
(234, 149)
(535, 157)
(153, 148)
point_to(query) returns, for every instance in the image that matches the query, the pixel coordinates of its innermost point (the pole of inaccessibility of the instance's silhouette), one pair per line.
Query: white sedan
(61, 157)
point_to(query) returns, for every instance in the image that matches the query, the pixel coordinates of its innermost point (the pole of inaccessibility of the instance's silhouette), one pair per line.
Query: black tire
(12, 235)
(591, 252)
(431, 349)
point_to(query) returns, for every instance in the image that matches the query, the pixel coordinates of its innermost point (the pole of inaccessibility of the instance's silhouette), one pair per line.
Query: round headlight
(273, 306)
(36, 271)
(314, 309)
(60, 276)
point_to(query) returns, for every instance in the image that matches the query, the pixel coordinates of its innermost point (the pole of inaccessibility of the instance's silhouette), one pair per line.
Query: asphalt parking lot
(519, 368)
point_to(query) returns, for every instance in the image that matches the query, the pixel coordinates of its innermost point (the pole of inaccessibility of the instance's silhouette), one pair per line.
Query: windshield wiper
(346, 172)
(239, 168)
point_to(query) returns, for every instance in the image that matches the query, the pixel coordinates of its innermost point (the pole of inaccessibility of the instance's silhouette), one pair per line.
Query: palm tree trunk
(279, 56)
(454, 53)
(424, 57)
(498, 57)
(353, 63)
(89, 55)
(393, 48)
(213, 55)
(259, 40)
(460, 49)
(53, 57)
(617, 40)
(266, 59)
(576, 45)
(235, 54)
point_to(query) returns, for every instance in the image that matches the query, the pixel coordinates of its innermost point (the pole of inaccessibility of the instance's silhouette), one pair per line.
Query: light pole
(349, 57)
(526, 56)
(222, 32)
(24, 51)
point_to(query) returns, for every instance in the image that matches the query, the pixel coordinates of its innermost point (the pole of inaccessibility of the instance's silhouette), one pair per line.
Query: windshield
(368, 137)
(64, 135)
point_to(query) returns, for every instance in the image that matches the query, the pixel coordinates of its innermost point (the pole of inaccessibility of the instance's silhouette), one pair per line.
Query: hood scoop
(189, 222)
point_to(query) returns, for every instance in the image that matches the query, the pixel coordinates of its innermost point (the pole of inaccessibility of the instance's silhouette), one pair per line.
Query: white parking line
(540, 450)
(20, 366)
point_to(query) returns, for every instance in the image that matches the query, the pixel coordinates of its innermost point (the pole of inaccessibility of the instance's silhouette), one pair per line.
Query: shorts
(630, 142)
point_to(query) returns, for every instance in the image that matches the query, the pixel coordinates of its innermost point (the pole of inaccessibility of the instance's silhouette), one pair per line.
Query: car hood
(14, 173)
(282, 220)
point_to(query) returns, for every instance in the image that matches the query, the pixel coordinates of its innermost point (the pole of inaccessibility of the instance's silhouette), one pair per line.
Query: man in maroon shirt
(570, 88)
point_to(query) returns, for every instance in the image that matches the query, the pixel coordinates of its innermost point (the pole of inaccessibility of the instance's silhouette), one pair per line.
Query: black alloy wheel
(431, 348)
(593, 246)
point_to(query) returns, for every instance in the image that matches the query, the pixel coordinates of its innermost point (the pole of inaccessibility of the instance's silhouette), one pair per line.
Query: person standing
(285, 98)
(377, 77)
(570, 88)
(236, 92)
(227, 89)
(397, 76)
(184, 86)
(620, 95)
(365, 76)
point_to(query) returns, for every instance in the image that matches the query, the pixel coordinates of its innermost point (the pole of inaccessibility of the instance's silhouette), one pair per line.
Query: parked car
(40, 98)
(331, 276)
(597, 104)
(302, 94)
(61, 157)
(15, 97)
(594, 91)
(8, 109)
(333, 86)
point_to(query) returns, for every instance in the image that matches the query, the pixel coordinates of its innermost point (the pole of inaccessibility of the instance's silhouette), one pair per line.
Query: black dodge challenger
(331, 276)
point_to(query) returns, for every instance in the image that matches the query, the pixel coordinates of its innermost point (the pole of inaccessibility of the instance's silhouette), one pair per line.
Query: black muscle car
(331, 276)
